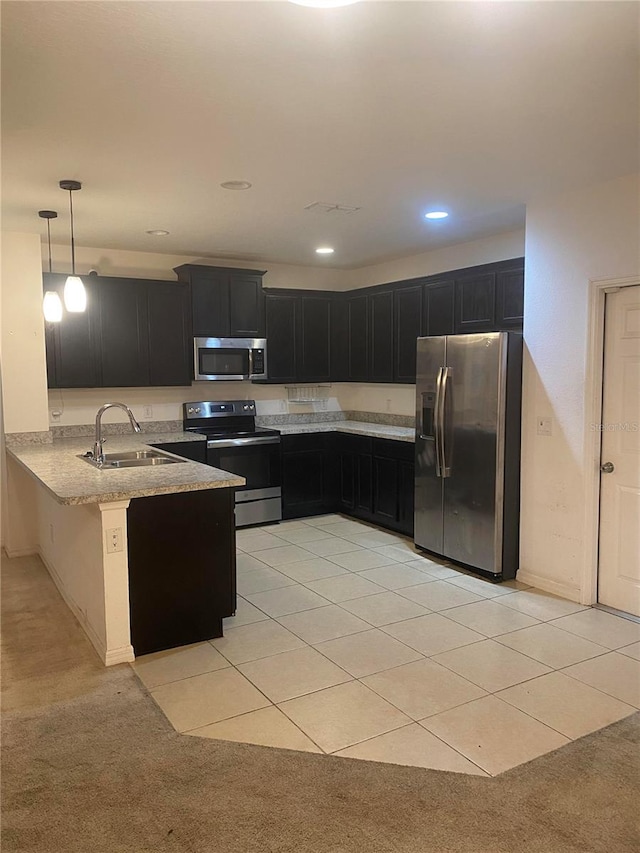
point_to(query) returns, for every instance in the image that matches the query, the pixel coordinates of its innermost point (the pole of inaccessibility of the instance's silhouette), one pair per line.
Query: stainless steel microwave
(230, 358)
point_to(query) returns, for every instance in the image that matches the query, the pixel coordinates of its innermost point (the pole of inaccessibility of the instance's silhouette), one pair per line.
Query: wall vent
(330, 207)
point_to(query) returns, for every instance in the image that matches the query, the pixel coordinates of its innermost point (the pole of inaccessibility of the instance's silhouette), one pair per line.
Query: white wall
(499, 247)
(24, 377)
(118, 262)
(591, 233)
(28, 406)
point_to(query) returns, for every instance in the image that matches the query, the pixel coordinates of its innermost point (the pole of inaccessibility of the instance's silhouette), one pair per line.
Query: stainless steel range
(235, 444)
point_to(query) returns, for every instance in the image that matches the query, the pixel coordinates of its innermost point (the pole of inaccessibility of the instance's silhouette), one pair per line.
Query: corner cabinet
(299, 335)
(368, 478)
(134, 333)
(226, 302)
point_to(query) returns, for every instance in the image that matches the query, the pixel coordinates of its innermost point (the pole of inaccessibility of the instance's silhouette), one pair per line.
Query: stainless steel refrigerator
(467, 493)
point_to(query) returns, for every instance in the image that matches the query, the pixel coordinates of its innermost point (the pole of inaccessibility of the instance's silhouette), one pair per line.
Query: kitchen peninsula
(143, 556)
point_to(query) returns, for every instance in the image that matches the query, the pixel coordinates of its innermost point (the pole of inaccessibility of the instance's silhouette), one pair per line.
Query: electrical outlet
(114, 540)
(544, 426)
(147, 412)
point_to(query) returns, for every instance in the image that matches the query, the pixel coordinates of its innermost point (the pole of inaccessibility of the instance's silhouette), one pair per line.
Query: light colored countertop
(74, 481)
(395, 433)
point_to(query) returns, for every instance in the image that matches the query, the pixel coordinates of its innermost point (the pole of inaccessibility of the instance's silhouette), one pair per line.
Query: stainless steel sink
(131, 459)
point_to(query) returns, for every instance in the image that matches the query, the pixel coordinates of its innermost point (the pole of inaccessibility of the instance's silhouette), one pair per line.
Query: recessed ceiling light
(324, 250)
(324, 4)
(157, 232)
(436, 214)
(236, 185)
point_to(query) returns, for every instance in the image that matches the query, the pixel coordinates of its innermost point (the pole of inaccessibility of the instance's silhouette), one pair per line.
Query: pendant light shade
(75, 295)
(51, 304)
(52, 307)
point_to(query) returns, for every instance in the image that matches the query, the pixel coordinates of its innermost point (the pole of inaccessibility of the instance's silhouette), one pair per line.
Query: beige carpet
(90, 764)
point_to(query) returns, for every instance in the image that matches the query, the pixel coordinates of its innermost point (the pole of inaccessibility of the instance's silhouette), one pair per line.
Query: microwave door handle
(250, 363)
(446, 469)
(436, 421)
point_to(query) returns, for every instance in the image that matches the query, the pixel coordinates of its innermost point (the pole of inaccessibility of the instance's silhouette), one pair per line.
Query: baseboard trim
(564, 590)
(22, 552)
(109, 657)
(124, 654)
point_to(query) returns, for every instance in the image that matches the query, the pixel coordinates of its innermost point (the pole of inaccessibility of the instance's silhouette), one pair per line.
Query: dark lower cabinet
(182, 567)
(393, 484)
(307, 487)
(364, 477)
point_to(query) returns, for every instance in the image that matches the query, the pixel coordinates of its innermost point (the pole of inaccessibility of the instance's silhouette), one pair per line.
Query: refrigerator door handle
(444, 381)
(437, 433)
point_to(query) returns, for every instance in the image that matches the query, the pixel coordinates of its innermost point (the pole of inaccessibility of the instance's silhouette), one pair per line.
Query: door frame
(594, 382)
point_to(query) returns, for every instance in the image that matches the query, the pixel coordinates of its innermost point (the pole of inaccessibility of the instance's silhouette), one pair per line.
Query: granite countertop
(74, 481)
(396, 433)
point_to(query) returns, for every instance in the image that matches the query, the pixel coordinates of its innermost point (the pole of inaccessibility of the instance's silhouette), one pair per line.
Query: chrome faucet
(98, 453)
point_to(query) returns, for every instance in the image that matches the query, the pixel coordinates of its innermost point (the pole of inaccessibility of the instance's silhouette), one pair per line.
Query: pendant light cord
(49, 241)
(73, 245)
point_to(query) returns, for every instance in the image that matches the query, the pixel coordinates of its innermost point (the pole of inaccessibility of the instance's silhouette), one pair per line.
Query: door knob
(607, 468)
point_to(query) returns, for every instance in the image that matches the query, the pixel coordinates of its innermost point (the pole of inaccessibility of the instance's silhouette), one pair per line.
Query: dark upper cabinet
(314, 339)
(210, 306)
(246, 305)
(357, 338)
(299, 337)
(282, 314)
(339, 361)
(72, 343)
(170, 336)
(476, 303)
(381, 336)
(439, 308)
(226, 302)
(407, 329)
(123, 343)
(510, 299)
(134, 332)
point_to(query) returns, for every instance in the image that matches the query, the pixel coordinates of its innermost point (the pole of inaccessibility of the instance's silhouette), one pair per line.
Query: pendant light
(75, 296)
(51, 304)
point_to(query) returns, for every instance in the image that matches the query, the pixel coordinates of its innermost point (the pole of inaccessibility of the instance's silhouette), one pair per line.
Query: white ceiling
(392, 107)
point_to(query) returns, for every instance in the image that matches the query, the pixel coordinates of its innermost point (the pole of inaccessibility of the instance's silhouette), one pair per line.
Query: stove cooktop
(216, 432)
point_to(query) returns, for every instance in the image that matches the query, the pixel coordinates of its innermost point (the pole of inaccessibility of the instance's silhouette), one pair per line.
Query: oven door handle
(213, 444)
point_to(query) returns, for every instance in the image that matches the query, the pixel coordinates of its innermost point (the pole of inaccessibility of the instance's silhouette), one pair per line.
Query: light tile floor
(348, 641)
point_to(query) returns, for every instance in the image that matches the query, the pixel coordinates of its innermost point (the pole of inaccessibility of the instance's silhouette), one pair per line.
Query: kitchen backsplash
(154, 406)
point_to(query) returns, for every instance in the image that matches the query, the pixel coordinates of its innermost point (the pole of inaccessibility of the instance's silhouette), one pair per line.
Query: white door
(619, 549)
